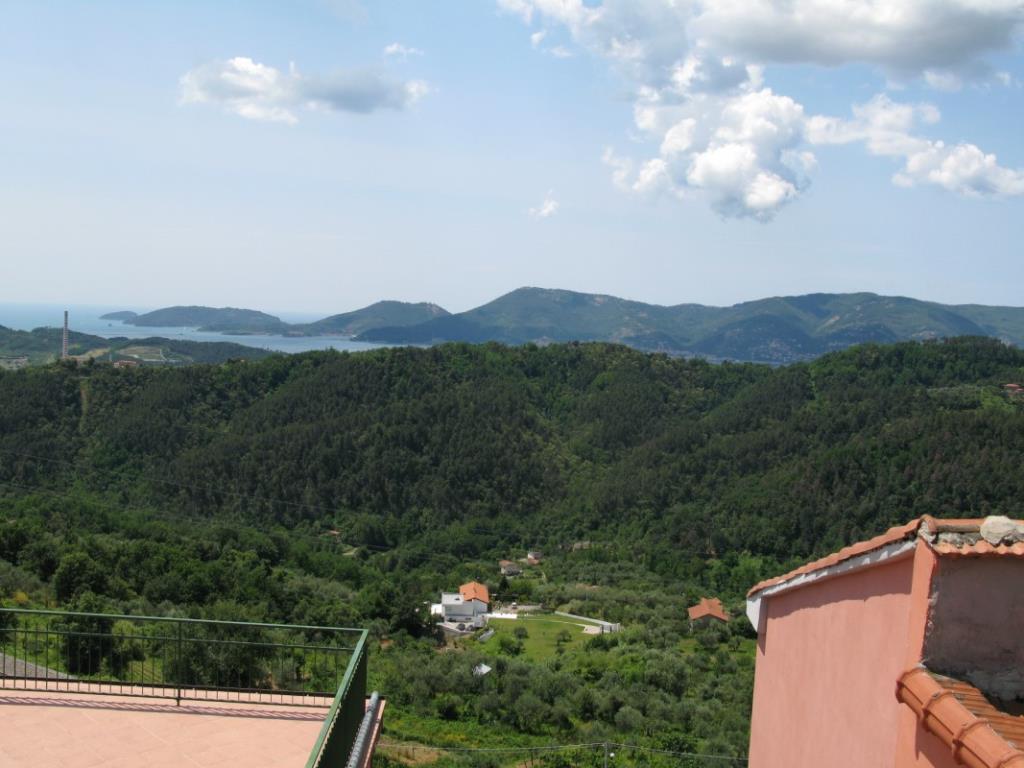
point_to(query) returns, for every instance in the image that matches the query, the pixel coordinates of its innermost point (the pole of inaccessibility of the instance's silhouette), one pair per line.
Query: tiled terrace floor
(54, 729)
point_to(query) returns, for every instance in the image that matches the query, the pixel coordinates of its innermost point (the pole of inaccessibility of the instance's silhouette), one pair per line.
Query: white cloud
(901, 36)
(744, 163)
(887, 129)
(547, 208)
(401, 51)
(560, 52)
(622, 168)
(696, 73)
(260, 92)
(523, 8)
(943, 80)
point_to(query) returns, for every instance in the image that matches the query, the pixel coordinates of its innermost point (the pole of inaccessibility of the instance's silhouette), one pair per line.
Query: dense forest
(347, 489)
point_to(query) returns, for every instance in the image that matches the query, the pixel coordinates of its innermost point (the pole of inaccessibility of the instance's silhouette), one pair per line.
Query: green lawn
(542, 641)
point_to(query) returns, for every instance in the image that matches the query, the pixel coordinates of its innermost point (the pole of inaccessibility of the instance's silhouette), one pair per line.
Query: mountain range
(773, 330)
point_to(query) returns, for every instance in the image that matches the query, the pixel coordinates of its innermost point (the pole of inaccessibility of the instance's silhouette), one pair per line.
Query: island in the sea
(125, 316)
(233, 321)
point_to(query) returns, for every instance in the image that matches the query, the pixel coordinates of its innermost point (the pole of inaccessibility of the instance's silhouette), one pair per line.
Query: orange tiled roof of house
(708, 607)
(474, 590)
(965, 539)
(979, 734)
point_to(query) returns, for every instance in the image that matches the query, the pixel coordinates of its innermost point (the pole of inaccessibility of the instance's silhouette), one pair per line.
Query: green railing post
(179, 665)
(339, 730)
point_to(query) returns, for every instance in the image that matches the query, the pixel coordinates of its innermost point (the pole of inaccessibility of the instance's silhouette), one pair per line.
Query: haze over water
(86, 319)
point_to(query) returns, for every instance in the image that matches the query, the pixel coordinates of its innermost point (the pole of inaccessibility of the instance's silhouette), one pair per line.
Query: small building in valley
(534, 557)
(902, 651)
(707, 611)
(509, 568)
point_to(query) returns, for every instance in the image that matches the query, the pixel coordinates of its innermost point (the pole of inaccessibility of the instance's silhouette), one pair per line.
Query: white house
(465, 607)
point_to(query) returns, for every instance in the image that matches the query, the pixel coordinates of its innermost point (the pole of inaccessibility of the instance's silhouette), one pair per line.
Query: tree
(8, 621)
(78, 573)
(86, 639)
(509, 645)
(530, 712)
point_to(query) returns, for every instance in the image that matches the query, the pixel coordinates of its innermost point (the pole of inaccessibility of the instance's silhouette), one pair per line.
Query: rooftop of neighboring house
(972, 536)
(710, 607)
(474, 590)
(967, 687)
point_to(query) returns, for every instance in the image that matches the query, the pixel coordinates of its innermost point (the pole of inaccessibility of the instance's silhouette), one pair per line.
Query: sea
(86, 319)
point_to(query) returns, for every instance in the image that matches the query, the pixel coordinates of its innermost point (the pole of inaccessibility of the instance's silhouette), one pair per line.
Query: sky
(318, 155)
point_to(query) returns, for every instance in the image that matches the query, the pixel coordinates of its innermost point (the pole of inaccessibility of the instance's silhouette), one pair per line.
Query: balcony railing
(193, 660)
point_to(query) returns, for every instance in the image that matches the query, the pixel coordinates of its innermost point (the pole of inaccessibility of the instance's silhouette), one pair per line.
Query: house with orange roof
(465, 610)
(902, 651)
(474, 590)
(706, 611)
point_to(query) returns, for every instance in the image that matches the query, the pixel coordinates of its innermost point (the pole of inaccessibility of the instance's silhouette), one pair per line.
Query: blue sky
(273, 155)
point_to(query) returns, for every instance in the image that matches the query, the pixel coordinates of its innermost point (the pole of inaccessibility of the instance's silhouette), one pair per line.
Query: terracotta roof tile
(934, 526)
(979, 734)
(474, 590)
(708, 607)
(980, 548)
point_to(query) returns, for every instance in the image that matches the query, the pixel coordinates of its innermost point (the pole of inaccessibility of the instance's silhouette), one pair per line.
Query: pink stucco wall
(827, 664)
(920, 749)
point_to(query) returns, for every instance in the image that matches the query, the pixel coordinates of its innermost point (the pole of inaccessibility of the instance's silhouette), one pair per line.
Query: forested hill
(781, 329)
(466, 450)
(777, 330)
(348, 489)
(393, 314)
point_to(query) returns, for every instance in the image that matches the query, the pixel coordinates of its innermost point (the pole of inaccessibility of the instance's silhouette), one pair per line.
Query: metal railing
(175, 658)
(338, 734)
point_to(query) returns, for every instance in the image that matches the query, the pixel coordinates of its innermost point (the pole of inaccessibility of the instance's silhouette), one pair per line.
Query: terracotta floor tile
(61, 730)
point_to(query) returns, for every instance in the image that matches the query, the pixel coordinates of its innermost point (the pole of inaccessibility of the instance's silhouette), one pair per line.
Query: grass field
(145, 353)
(542, 640)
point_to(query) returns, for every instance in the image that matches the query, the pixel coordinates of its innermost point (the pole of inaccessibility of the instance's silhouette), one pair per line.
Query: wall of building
(976, 623)
(827, 664)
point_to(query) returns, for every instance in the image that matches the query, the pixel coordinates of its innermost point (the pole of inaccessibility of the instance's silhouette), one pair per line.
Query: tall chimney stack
(64, 341)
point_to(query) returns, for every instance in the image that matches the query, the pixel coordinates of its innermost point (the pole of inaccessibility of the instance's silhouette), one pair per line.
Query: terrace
(87, 689)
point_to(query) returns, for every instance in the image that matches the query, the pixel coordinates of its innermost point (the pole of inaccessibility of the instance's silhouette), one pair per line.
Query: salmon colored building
(904, 651)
